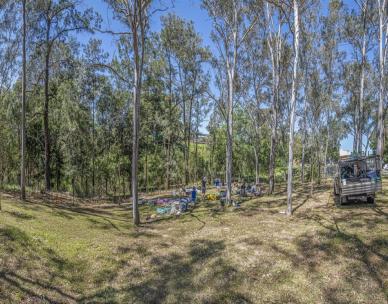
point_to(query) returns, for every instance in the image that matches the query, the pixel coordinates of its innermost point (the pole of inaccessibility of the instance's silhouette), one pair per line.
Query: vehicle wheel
(370, 200)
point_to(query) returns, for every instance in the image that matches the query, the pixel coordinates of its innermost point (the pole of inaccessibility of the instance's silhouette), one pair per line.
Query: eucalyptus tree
(135, 15)
(308, 54)
(23, 117)
(254, 69)
(382, 41)
(54, 20)
(230, 28)
(93, 82)
(358, 27)
(275, 20)
(296, 32)
(186, 58)
(330, 58)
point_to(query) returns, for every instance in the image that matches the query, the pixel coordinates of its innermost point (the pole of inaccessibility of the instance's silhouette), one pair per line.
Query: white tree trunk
(360, 120)
(257, 179)
(292, 107)
(275, 51)
(326, 146)
(361, 101)
(229, 138)
(304, 136)
(383, 30)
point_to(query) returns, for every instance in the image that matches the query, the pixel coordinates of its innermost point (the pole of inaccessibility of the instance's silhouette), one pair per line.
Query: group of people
(242, 189)
(203, 188)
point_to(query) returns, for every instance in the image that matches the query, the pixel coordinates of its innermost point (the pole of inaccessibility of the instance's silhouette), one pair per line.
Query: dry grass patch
(57, 252)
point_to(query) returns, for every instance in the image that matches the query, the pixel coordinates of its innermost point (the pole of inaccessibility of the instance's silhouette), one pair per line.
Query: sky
(186, 9)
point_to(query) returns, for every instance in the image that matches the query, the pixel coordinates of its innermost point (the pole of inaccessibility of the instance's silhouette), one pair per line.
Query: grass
(54, 251)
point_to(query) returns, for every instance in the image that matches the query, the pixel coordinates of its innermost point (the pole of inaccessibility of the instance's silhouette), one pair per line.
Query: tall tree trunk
(46, 116)
(318, 150)
(293, 105)
(382, 49)
(312, 174)
(361, 105)
(137, 18)
(23, 120)
(167, 185)
(257, 166)
(93, 151)
(146, 172)
(168, 163)
(135, 147)
(304, 131)
(229, 138)
(326, 146)
(273, 150)
(275, 52)
(362, 83)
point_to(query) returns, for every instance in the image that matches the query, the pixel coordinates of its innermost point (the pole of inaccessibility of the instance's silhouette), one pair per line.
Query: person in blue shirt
(194, 194)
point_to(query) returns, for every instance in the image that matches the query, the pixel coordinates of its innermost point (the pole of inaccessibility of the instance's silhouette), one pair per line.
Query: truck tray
(359, 188)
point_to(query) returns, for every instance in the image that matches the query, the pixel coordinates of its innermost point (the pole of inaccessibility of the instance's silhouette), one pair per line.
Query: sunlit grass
(55, 251)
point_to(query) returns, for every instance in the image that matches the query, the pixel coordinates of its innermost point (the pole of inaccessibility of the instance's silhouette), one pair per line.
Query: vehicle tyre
(370, 200)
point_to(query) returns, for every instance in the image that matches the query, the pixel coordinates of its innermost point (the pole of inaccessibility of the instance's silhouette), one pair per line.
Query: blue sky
(187, 9)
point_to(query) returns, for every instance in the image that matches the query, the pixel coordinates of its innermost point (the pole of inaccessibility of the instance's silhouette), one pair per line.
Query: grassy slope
(56, 252)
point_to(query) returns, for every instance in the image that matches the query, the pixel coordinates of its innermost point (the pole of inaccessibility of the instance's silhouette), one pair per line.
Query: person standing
(194, 194)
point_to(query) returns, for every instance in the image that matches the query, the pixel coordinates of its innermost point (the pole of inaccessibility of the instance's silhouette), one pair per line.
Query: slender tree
(293, 106)
(274, 22)
(231, 28)
(383, 37)
(23, 118)
(135, 15)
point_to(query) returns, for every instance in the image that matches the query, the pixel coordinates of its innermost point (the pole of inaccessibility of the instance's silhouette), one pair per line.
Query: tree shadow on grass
(202, 275)
(20, 215)
(30, 268)
(348, 255)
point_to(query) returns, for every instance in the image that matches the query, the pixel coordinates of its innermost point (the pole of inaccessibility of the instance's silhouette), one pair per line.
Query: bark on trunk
(23, 118)
(137, 19)
(135, 148)
(303, 140)
(382, 50)
(170, 102)
(361, 105)
(360, 112)
(272, 153)
(257, 166)
(293, 104)
(46, 114)
(326, 147)
(275, 52)
(229, 140)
